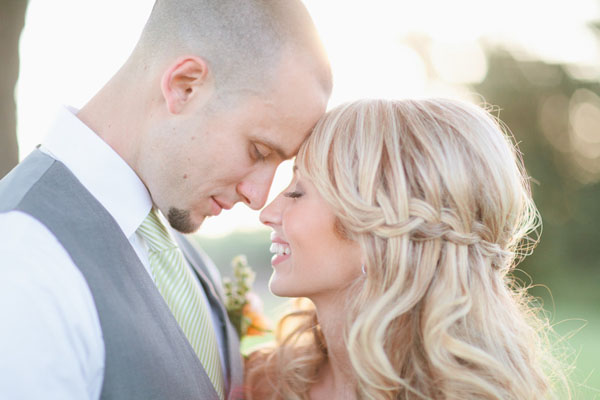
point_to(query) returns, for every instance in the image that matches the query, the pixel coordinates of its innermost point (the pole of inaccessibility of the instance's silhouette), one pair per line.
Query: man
(98, 299)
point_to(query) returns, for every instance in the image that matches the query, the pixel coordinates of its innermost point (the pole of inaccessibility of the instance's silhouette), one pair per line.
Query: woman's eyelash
(293, 195)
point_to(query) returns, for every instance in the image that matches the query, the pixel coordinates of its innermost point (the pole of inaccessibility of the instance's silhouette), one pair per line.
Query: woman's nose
(271, 214)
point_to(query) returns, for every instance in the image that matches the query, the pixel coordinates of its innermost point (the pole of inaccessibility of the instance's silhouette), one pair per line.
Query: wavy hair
(436, 194)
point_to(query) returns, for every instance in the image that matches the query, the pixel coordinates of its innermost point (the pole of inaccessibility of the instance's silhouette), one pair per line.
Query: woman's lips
(279, 259)
(280, 248)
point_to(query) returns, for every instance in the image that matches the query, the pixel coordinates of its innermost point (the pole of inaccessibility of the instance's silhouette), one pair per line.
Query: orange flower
(244, 308)
(258, 323)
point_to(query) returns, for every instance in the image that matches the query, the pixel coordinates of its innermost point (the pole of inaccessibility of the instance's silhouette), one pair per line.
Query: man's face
(213, 159)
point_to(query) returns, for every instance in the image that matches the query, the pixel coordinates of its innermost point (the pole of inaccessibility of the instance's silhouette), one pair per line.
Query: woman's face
(312, 259)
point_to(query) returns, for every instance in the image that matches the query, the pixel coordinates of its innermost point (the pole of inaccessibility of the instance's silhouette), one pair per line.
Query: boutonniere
(243, 306)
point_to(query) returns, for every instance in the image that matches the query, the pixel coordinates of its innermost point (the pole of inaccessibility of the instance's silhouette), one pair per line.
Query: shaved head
(242, 41)
(215, 95)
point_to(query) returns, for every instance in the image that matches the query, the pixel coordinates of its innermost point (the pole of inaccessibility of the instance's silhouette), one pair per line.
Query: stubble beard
(181, 221)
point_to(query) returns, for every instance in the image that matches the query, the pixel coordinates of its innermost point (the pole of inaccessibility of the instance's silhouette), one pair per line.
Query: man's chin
(182, 221)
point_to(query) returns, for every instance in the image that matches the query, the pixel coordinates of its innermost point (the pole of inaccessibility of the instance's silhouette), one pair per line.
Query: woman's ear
(186, 80)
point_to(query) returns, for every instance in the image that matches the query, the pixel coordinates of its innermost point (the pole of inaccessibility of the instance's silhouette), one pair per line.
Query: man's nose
(254, 190)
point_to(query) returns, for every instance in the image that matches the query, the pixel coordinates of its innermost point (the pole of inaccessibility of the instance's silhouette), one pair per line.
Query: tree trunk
(12, 19)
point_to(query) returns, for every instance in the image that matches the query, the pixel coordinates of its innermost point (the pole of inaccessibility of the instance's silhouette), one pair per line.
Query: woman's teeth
(280, 249)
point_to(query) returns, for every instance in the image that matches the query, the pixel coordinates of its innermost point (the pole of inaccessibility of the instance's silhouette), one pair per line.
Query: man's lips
(223, 204)
(217, 206)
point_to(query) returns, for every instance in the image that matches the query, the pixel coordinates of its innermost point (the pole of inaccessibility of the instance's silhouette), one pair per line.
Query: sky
(70, 48)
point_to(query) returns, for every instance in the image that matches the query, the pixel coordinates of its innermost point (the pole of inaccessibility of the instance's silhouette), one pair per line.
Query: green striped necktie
(182, 294)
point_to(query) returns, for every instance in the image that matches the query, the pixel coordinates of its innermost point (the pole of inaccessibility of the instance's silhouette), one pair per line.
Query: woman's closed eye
(293, 194)
(298, 188)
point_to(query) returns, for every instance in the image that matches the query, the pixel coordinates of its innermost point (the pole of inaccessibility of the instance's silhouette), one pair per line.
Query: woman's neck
(336, 379)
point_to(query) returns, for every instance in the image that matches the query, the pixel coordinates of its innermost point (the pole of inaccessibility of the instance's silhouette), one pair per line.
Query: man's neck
(116, 114)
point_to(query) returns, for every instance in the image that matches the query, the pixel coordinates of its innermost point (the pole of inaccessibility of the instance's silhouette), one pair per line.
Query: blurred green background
(555, 118)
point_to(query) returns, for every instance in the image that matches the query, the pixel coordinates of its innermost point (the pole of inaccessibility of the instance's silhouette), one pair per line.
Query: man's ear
(185, 80)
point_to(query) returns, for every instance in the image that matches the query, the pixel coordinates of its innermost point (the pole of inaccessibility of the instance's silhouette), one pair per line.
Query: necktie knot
(155, 233)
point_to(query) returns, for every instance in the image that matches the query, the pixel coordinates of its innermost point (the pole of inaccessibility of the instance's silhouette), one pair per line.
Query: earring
(363, 269)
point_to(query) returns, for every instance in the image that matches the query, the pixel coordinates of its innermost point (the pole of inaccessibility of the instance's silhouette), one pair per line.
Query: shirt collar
(99, 169)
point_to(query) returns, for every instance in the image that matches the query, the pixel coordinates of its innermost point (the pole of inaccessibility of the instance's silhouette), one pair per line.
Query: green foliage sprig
(246, 319)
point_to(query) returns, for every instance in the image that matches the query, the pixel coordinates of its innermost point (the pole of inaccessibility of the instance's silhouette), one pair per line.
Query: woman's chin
(275, 290)
(279, 289)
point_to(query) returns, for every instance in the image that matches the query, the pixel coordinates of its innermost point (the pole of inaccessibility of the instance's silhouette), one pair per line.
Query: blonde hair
(437, 197)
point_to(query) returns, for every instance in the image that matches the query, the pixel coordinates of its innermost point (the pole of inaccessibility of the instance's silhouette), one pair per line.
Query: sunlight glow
(70, 48)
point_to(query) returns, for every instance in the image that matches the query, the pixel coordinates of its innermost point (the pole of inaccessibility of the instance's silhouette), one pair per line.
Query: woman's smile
(280, 248)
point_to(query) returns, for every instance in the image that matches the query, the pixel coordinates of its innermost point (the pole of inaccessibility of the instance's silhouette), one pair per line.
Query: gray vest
(147, 354)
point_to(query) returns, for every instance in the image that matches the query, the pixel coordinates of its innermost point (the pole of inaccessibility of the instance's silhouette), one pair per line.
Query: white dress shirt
(51, 344)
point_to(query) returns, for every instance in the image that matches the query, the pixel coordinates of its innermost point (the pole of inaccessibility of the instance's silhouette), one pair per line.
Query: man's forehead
(285, 145)
(294, 106)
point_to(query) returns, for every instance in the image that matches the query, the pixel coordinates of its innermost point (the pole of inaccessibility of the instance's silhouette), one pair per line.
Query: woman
(401, 225)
